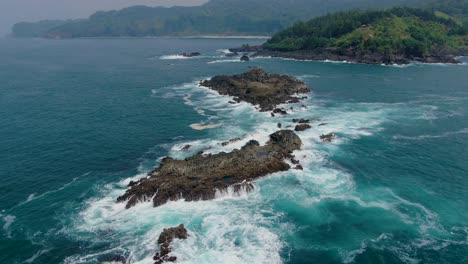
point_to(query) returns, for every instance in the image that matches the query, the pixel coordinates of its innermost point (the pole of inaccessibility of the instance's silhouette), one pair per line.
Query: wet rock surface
(165, 239)
(258, 88)
(302, 127)
(199, 177)
(328, 137)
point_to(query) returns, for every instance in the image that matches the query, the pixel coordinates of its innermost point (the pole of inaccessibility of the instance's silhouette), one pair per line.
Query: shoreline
(362, 58)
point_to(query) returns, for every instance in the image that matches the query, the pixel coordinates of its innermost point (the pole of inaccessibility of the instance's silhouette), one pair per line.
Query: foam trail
(443, 135)
(9, 220)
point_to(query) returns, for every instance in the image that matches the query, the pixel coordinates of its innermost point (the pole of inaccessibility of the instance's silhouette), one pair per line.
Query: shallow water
(81, 118)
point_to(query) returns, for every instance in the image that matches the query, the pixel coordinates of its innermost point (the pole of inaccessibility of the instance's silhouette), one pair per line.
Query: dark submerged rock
(233, 140)
(301, 120)
(200, 176)
(189, 55)
(112, 259)
(165, 240)
(258, 87)
(245, 58)
(280, 111)
(302, 127)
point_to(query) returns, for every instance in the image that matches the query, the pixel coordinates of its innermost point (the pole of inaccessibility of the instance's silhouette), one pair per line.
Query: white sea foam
(9, 220)
(242, 227)
(36, 255)
(442, 135)
(176, 57)
(225, 61)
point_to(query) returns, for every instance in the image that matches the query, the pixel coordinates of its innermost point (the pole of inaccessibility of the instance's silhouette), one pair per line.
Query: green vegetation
(404, 32)
(222, 17)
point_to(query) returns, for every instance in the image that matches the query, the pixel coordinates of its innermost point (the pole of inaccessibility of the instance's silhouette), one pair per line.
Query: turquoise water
(81, 118)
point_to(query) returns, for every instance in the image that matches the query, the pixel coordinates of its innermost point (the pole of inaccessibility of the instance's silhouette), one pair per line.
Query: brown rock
(258, 88)
(302, 127)
(200, 176)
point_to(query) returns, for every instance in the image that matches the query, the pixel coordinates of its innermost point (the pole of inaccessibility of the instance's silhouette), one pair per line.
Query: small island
(201, 176)
(259, 88)
(394, 36)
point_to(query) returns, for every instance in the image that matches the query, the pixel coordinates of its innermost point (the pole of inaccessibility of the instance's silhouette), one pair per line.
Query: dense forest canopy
(397, 31)
(223, 17)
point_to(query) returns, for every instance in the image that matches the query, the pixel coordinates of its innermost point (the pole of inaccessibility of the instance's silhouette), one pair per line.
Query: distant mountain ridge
(217, 17)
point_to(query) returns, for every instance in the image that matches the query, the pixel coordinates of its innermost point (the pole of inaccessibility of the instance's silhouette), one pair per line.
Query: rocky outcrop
(258, 87)
(349, 55)
(245, 58)
(186, 148)
(302, 127)
(328, 137)
(301, 120)
(190, 55)
(165, 240)
(201, 176)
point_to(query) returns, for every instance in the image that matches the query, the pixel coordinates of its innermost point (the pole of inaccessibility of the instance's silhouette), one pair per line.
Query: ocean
(82, 118)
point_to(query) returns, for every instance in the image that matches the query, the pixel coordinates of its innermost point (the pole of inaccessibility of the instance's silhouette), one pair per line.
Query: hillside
(217, 17)
(396, 35)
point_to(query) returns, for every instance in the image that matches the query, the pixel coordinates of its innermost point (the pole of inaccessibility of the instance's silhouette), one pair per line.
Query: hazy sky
(12, 11)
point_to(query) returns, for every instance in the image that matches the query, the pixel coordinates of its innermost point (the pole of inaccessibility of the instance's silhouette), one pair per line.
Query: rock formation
(200, 176)
(245, 58)
(328, 137)
(165, 240)
(258, 88)
(302, 127)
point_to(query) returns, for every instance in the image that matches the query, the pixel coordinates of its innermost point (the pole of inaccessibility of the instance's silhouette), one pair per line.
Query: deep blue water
(81, 118)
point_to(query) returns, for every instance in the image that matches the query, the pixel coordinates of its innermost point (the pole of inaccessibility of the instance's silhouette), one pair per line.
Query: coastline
(360, 58)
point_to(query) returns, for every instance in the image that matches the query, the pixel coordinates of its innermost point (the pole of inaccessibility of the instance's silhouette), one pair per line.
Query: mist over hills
(217, 17)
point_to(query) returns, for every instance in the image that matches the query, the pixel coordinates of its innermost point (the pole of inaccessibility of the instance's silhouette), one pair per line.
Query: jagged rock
(299, 167)
(189, 55)
(301, 121)
(279, 125)
(225, 143)
(165, 239)
(258, 88)
(294, 100)
(322, 124)
(200, 176)
(245, 58)
(131, 183)
(280, 111)
(186, 148)
(328, 137)
(302, 127)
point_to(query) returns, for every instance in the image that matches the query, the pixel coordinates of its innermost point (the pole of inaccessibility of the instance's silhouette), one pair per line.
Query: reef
(201, 176)
(259, 88)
